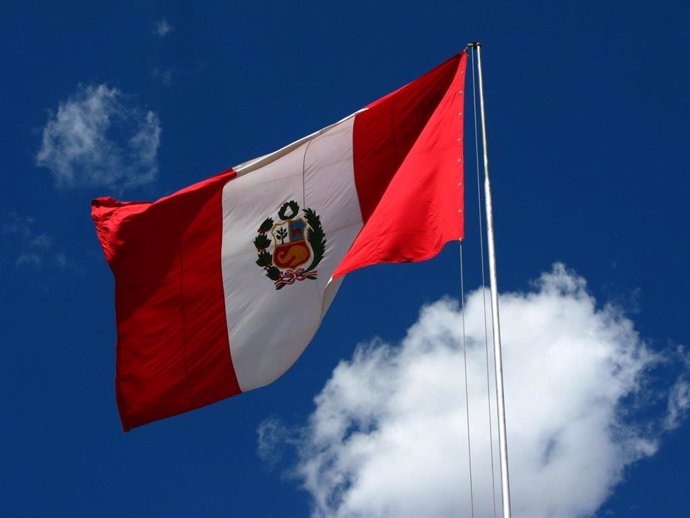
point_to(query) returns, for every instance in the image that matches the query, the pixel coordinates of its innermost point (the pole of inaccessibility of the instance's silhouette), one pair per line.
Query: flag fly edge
(408, 160)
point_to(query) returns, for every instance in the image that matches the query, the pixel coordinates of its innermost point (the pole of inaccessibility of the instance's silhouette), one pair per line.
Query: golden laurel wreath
(315, 237)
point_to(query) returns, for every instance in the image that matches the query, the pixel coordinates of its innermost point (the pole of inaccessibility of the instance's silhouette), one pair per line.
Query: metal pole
(498, 359)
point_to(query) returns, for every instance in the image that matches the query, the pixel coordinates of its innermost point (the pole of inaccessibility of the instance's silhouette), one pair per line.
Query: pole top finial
(474, 44)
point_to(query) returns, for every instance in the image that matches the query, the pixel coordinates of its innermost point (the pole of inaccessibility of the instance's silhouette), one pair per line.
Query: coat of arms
(286, 246)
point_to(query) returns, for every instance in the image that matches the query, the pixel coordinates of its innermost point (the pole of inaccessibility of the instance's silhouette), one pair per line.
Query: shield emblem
(291, 249)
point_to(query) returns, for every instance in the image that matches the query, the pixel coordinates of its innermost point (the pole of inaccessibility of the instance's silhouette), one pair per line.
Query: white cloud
(17, 224)
(679, 399)
(387, 437)
(164, 75)
(99, 138)
(271, 436)
(33, 250)
(162, 28)
(29, 260)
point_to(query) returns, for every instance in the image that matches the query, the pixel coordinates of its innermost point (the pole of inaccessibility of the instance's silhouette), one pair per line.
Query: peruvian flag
(200, 273)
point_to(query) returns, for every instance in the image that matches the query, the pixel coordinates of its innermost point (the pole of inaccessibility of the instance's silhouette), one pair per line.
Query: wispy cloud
(387, 437)
(164, 75)
(162, 28)
(98, 137)
(679, 397)
(272, 436)
(33, 250)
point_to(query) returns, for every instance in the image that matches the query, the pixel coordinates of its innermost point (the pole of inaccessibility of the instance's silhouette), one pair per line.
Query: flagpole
(498, 358)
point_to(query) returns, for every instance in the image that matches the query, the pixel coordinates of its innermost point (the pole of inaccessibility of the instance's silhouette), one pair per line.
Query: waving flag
(221, 286)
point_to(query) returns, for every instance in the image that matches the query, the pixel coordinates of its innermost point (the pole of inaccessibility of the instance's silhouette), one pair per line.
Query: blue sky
(587, 116)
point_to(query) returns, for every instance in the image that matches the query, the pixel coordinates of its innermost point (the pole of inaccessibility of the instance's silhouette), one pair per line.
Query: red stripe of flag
(172, 339)
(408, 170)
